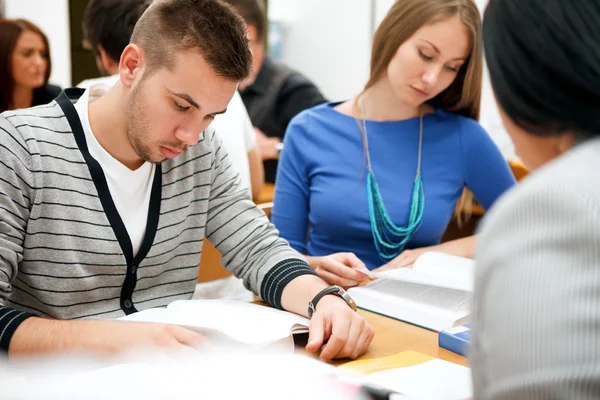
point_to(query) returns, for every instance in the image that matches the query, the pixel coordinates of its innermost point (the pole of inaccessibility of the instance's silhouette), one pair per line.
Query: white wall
(52, 16)
(490, 119)
(330, 42)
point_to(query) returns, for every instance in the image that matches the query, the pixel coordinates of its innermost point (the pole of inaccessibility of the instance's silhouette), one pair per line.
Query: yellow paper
(398, 360)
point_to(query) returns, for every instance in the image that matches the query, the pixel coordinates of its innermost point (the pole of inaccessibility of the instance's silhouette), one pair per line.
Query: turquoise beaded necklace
(389, 238)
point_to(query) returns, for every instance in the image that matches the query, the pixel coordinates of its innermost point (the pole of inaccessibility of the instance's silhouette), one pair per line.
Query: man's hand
(342, 269)
(345, 331)
(39, 335)
(268, 146)
(347, 334)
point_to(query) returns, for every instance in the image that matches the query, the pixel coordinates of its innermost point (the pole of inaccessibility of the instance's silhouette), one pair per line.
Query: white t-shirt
(234, 128)
(108, 80)
(130, 190)
(237, 134)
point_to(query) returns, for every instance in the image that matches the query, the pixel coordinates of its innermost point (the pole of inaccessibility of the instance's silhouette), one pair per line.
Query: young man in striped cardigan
(105, 200)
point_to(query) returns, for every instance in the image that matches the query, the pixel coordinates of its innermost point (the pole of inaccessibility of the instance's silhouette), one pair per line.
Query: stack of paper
(416, 375)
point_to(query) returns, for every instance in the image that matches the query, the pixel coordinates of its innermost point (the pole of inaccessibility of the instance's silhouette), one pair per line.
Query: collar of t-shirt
(129, 189)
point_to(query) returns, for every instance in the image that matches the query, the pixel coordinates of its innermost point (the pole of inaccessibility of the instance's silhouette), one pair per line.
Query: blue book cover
(455, 339)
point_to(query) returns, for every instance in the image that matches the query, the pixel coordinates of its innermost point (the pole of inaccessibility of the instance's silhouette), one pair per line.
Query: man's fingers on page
(362, 344)
(354, 333)
(316, 335)
(337, 340)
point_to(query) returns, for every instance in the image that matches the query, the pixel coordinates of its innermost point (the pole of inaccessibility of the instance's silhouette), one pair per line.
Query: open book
(231, 325)
(435, 293)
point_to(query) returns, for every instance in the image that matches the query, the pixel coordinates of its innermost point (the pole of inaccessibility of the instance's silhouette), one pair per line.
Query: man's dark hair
(544, 63)
(110, 23)
(211, 27)
(253, 11)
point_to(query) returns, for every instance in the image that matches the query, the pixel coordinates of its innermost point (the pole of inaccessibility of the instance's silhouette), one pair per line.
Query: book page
(440, 297)
(431, 307)
(436, 269)
(448, 267)
(244, 322)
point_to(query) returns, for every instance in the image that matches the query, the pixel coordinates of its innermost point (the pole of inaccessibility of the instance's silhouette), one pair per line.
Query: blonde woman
(374, 181)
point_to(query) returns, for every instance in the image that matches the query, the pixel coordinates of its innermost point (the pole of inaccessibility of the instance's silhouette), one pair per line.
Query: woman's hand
(461, 247)
(343, 269)
(406, 259)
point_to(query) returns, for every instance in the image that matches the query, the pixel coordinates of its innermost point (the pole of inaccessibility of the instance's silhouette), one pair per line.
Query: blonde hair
(463, 96)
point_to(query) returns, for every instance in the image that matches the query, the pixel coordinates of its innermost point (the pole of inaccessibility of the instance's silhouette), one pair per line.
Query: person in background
(25, 66)
(107, 27)
(536, 309)
(377, 178)
(274, 93)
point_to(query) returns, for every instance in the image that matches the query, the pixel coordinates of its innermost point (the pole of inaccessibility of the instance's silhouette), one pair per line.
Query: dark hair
(110, 23)
(209, 26)
(253, 11)
(544, 62)
(10, 30)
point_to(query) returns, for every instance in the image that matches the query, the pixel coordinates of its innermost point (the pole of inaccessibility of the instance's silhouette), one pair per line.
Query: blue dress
(320, 203)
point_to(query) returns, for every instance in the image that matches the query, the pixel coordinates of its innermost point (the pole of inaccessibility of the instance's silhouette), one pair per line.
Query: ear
(565, 142)
(253, 35)
(131, 65)
(109, 66)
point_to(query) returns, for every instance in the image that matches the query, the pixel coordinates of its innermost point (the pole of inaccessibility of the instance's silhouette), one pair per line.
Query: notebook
(435, 293)
(455, 339)
(233, 325)
(416, 375)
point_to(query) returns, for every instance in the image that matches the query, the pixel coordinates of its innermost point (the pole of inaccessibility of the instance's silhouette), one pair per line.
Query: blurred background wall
(327, 40)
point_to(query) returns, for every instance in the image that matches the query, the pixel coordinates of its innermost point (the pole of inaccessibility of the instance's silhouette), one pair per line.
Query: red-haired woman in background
(24, 66)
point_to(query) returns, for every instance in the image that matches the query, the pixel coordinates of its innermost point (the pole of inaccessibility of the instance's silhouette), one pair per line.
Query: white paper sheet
(433, 380)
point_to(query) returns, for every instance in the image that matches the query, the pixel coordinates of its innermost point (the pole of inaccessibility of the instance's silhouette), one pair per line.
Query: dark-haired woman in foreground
(536, 317)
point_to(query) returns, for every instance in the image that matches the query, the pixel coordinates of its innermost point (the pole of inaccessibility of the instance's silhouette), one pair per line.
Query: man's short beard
(137, 126)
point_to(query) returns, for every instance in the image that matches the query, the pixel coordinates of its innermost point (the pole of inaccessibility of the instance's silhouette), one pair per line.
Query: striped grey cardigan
(65, 252)
(536, 316)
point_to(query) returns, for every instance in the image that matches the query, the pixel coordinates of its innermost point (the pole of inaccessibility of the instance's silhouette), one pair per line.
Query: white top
(108, 80)
(234, 128)
(130, 190)
(236, 132)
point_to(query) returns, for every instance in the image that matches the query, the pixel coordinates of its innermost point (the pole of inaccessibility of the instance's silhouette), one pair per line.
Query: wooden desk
(266, 194)
(392, 336)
